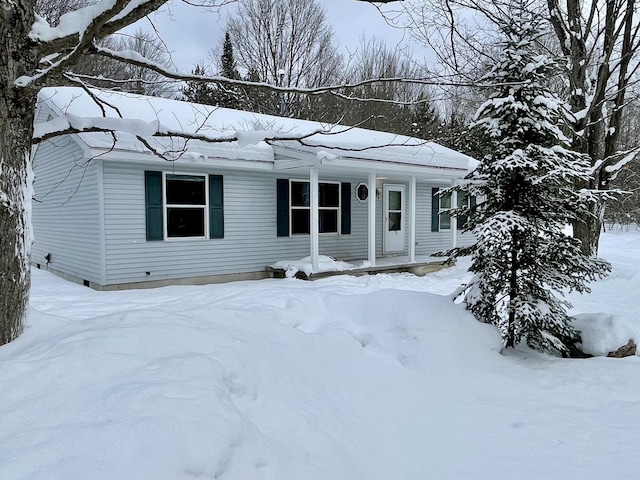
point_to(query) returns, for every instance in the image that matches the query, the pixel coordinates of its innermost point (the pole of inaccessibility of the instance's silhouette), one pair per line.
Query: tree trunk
(17, 55)
(510, 340)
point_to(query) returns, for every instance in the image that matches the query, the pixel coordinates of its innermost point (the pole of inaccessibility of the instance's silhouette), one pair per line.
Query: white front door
(393, 219)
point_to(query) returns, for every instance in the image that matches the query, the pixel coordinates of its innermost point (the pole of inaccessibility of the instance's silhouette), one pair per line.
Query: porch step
(419, 269)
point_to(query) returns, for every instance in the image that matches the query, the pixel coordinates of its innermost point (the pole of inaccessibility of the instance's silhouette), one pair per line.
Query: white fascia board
(289, 164)
(141, 158)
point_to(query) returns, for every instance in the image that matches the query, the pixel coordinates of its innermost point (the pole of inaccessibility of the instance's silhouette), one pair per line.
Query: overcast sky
(190, 32)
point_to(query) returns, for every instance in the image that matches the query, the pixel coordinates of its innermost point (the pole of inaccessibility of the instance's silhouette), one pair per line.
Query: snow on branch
(72, 124)
(135, 58)
(616, 167)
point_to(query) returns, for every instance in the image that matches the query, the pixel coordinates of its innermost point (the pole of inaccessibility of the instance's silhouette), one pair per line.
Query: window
(445, 214)
(300, 208)
(362, 192)
(293, 207)
(463, 202)
(183, 206)
(441, 209)
(328, 207)
(186, 205)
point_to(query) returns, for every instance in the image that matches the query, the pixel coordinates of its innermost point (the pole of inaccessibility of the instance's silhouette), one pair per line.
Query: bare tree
(285, 43)
(374, 59)
(125, 76)
(625, 211)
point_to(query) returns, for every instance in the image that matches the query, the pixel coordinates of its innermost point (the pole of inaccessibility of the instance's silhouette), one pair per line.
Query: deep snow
(379, 377)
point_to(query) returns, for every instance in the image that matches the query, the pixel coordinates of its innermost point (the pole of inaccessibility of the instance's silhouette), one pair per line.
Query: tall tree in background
(625, 211)
(285, 43)
(226, 96)
(374, 59)
(522, 260)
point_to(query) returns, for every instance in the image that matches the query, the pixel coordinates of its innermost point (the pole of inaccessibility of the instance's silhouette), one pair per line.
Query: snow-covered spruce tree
(522, 260)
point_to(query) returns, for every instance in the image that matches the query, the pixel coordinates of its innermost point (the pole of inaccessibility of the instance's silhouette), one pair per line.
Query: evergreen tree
(216, 94)
(424, 119)
(226, 95)
(522, 260)
(197, 91)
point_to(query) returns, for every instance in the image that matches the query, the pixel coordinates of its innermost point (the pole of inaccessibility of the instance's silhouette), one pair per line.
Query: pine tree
(226, 95)
(522, 260)
(198, 91)
(216, 94)
(424, 119)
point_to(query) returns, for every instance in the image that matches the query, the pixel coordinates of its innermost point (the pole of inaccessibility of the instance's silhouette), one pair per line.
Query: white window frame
(292, 207)
(166, 206)
(448, 210)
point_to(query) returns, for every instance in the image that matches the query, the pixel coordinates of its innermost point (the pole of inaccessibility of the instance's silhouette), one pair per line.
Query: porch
(389, 192)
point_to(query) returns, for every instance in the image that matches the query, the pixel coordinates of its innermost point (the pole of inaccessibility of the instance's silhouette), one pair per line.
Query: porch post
(314, 229)
(454, 220)
(372, 219)
(412, 220)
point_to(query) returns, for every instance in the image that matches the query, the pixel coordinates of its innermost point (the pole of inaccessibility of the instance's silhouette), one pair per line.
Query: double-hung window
(186, 206)
(442, 207)
(183, 206)
(328, 207)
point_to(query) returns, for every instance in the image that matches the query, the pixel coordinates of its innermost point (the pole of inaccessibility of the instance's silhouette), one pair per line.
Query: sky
(190, 32)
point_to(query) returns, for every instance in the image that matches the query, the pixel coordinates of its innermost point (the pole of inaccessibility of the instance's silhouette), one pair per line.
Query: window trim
(166, 206)
(338, 208)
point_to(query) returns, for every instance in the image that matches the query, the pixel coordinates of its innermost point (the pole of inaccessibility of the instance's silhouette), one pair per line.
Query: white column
(454, 220)
(412, 220)
(314, 229)
(372, 218)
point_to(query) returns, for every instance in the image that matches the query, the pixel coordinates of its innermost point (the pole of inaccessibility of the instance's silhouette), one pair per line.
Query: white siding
(66, 211)
(250, 242)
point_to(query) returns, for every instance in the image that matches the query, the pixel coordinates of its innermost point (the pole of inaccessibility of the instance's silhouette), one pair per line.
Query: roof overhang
(287, 159)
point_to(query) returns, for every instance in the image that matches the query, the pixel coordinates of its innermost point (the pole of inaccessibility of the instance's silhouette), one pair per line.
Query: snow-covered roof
(133, 117)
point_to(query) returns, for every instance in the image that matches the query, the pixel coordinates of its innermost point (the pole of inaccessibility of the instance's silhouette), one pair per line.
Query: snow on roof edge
(186, 117)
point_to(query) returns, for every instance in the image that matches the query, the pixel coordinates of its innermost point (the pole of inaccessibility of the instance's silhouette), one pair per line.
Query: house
(149, 207)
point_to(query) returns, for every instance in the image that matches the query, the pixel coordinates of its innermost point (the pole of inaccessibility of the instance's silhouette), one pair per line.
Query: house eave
(199, 160)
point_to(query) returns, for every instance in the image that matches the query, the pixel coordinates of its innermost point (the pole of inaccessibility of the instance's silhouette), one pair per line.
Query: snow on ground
(378, 377)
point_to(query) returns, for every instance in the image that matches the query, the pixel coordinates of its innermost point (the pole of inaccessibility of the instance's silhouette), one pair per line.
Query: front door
(393, 219)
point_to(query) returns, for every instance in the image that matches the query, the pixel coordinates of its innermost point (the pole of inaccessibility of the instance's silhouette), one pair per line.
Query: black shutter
(216, 207)
(435, 208)
(153, 205)
(282, 207)
(345, 213)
